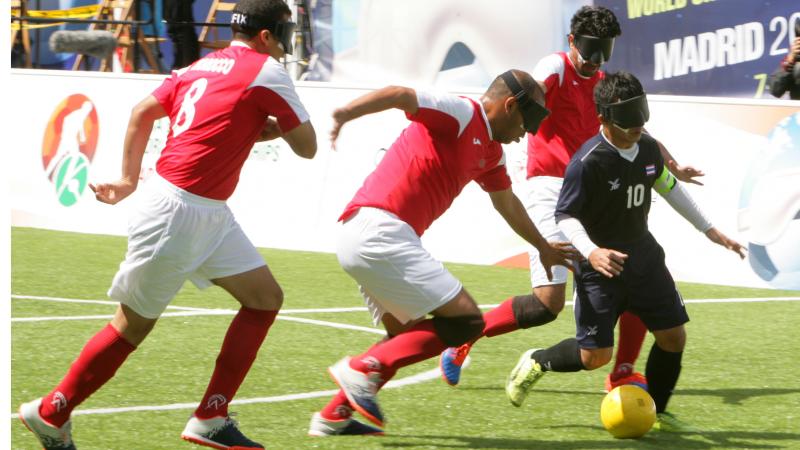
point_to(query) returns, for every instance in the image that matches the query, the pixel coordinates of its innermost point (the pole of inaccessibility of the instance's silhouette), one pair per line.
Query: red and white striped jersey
(447, 145)
(217, 108)
(572, 120)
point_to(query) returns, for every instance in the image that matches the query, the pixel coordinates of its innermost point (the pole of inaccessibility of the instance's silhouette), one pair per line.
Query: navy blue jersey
(608, 194)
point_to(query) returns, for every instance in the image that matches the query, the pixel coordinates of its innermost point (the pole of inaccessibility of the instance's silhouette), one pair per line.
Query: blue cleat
(217, 432)
(451, 361)
(361, 389)
(322, 427)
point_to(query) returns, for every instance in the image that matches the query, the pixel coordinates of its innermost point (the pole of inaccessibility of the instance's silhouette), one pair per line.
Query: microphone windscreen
(96, 43)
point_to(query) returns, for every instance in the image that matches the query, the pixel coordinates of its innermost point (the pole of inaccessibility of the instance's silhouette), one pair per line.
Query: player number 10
(635, 195)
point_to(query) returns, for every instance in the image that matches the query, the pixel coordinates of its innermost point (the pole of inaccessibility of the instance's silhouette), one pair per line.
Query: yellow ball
(628, 411)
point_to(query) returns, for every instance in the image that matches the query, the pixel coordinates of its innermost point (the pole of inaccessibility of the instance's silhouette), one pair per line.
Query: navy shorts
(645, 288)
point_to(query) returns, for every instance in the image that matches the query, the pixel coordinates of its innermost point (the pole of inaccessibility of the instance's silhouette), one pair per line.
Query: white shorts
(540, 202)
(396, 275)
(173, 236)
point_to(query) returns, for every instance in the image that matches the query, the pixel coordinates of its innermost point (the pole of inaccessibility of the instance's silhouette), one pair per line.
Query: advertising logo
(69, 144)
(769, 207)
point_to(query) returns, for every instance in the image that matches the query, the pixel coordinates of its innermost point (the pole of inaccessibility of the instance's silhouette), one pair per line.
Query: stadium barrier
(69, 127)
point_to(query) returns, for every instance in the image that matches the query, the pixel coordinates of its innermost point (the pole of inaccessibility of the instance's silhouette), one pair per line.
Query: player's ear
(264, 36)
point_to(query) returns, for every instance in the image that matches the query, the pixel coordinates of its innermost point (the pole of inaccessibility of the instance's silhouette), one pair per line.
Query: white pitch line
(188, 308)
(413, 379)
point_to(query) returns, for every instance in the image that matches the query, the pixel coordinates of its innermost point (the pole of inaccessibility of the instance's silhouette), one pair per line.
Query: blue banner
(703, 47)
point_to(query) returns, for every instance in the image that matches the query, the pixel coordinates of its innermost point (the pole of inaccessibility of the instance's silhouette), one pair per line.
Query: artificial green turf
(739, 382)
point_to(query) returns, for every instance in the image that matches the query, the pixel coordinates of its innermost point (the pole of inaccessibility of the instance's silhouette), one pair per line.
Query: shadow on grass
(699, 441)
(729, 396)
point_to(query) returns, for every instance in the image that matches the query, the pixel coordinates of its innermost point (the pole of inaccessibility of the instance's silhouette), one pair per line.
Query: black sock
(663, 369)
(562, 357)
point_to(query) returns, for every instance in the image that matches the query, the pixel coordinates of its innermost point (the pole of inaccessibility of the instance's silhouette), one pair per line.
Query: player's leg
(663, 370)
(546, 300)
(632, 332)
(453, 324)
(146, 282)
(385, 256)
(336, 418)
(660, 306)
(596, 306)
(236, 266)
(49, 417)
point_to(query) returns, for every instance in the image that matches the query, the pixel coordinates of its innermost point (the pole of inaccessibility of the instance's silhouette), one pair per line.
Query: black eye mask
(594, 49)
(532, 113)
(629, 113)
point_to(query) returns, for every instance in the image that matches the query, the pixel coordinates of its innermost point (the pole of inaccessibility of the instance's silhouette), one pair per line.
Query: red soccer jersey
(572, 120)
(217, 108)
(447, 145)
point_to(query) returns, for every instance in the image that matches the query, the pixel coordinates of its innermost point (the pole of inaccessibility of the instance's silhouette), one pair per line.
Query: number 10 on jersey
(635, 195)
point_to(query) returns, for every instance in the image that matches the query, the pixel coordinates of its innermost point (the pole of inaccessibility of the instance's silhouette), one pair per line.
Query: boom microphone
(99, 44)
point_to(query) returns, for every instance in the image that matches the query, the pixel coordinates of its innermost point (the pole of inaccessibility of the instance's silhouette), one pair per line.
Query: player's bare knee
(267, 298)
(671, 340)
(595, 358)
(458, 330)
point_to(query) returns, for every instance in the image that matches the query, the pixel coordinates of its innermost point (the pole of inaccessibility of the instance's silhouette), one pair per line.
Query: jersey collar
(240, 44)
(628, 153)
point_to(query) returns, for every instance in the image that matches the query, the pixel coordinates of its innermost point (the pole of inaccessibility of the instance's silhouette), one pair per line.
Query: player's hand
(270, 131)
(340, 117)
(687, 174)
(550, 256)
(608, 262)
(567, 251)
(718, 238)
(114, 192)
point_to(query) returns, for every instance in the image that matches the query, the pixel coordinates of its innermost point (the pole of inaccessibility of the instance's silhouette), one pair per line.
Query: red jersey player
(568, 80)
(182, 229)
(450, 142)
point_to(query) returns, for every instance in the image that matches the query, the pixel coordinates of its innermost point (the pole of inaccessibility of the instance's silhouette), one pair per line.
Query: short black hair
(597, 21)
(269, 12)
(617, 86)
(500, 90)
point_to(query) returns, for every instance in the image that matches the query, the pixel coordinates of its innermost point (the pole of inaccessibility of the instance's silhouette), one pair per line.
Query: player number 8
(186, 114)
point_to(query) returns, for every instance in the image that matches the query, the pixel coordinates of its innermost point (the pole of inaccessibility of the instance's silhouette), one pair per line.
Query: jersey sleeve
(496, 179)
(165, 94)
(442, 114)
(281, 99)
(549, 71)
(573, 192)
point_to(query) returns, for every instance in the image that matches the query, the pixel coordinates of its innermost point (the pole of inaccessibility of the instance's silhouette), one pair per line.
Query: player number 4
(186, 114)
(635, 195)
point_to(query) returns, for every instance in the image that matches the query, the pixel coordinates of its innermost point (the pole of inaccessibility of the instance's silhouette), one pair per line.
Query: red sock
(239, 349)
(417, 344)
(631, 336)
(97, 363)
(500, 320)
(339, 408)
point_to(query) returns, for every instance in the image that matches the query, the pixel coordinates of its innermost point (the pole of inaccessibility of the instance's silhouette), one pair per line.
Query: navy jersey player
(602, 209)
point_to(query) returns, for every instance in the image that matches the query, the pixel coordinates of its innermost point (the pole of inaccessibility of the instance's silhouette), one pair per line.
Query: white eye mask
(775, 202)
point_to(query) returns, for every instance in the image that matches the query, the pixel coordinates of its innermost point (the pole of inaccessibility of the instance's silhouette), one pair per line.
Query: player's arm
(511, 209)
(571, 201)
(679, 199)
(302, 139)
(140, 125)
(687, 174)
(390, 97)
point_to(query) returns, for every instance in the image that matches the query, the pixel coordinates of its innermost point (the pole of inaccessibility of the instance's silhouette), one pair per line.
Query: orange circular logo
(70, 141)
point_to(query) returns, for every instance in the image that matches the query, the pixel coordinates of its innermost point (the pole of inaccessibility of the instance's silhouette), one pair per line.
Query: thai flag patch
(650, 169)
